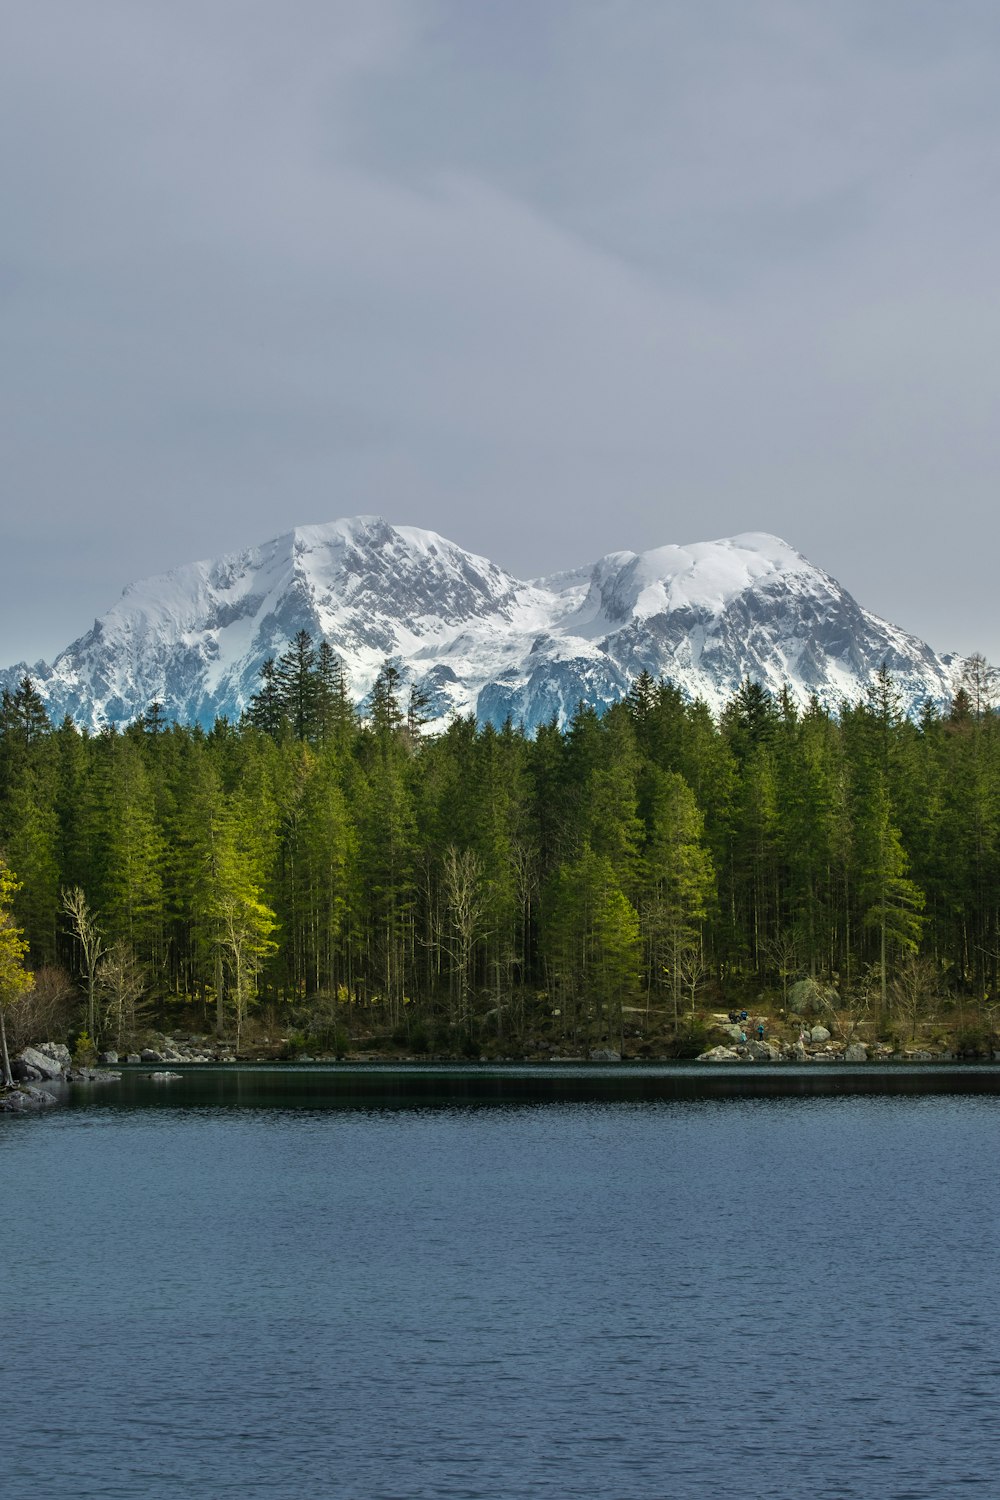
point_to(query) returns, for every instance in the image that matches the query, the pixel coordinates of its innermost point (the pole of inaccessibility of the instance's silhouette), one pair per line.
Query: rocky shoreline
(49, 1063)
(43, 1072)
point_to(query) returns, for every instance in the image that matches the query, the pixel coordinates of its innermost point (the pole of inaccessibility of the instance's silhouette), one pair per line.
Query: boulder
(809, 994)
(819, 1034)
(719, 1054)
(44, 1067)
(735, 1033)
(16, 1101)
(796, 1052)
(58, 1052)
(604, 1054)
(107, 1059)
(857, 1052)
(149, 1054)
(163, 1077)
(133, 1057)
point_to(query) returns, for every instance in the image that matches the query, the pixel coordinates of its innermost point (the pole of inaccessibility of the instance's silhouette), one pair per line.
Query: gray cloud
(552, 279)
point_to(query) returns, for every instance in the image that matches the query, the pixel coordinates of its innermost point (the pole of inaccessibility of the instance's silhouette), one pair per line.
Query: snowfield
(476, 639)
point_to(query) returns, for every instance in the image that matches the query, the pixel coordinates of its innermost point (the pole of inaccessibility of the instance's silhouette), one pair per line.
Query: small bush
(691, 1042)
(44, 1013)
(84, 1051)
(973, 1042)
(296, 1046)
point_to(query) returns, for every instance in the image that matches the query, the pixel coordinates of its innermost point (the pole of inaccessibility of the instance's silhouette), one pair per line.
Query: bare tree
(981, 682)
(43, 1012)
(692, 971)
(781, 953)
(91, 939)
(850, 1011)
(121, 981)
(464, 902)
(913, 989)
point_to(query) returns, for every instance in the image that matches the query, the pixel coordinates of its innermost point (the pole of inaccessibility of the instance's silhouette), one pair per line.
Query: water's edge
(414, 1085)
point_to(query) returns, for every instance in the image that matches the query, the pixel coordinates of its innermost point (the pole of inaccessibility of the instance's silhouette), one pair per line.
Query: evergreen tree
(267, 709)
(297, 688)
(678, 879)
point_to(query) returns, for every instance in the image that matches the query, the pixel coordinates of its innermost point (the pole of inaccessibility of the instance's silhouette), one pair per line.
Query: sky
(552, 277)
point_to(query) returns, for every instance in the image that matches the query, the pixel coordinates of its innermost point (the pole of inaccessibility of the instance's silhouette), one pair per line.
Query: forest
(345, 878)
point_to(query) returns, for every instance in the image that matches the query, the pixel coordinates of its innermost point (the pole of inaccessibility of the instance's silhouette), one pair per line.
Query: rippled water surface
(717, 1297)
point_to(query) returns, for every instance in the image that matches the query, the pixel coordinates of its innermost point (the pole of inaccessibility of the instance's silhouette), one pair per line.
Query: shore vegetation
(337, 881)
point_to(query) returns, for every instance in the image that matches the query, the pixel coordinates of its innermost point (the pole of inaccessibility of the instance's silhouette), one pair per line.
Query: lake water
(308, 1284)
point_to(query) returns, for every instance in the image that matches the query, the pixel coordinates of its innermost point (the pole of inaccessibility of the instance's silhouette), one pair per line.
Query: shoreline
(429, 1083)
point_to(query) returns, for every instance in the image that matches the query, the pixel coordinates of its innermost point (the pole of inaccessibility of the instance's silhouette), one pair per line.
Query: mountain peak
(476, 639)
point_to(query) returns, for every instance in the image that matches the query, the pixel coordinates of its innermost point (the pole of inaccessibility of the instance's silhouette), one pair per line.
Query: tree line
(350, 867)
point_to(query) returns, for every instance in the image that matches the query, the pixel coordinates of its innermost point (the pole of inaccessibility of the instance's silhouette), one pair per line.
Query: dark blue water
(721, 1297)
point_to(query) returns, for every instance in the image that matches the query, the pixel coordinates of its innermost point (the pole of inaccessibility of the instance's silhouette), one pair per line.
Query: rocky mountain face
(476, 639)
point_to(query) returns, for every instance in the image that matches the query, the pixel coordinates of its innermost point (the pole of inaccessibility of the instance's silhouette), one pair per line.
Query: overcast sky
(552, 277)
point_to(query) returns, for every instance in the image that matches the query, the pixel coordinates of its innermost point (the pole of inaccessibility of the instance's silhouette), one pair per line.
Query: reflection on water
(671, 1296)
(384, 1086)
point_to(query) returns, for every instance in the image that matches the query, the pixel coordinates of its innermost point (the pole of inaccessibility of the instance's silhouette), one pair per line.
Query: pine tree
(678, 879)
(335, 719)
(266, 710)
(893, 902)
(297, 686)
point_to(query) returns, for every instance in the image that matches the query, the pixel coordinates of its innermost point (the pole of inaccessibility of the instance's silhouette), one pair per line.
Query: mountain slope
(476, 638)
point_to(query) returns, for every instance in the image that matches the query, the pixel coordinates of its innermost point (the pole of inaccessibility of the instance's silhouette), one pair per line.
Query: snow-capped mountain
(476, 639)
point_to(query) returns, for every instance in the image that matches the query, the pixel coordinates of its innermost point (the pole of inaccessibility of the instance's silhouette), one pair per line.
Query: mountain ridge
(475, 638)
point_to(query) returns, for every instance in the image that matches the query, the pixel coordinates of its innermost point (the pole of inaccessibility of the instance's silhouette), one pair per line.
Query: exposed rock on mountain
(476, 639)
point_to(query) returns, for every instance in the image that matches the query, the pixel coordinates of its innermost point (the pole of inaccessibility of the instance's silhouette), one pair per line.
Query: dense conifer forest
(349, 876)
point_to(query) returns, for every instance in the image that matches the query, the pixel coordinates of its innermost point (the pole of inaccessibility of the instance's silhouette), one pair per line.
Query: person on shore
(760, 1031)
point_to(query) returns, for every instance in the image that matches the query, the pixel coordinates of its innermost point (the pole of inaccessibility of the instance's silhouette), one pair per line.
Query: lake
(384, 1284)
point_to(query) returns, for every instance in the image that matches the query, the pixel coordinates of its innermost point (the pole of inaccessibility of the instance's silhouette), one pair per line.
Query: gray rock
(149, 1054)
(163, 1077)
(133, 1057)
(45, 1067)
(734, 1032)
(719, 1055)
(22, 1073)
(58, 1052)
(20, 1100)
(107, 1059)
(857, 1052)
(809, 994)
(604, 1054)
(819, 1034)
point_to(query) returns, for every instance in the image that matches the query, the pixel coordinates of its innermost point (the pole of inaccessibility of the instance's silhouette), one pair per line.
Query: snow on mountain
(476, 639)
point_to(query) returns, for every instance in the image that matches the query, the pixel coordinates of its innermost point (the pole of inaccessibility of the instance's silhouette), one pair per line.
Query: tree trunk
(220, 1015)
(91, 1009)
(8, 1077)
